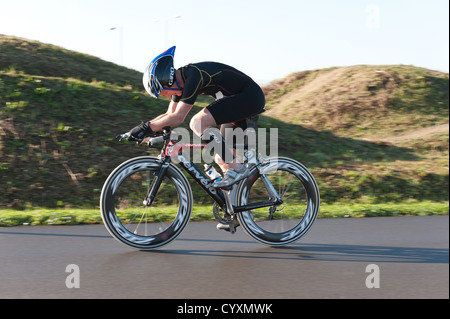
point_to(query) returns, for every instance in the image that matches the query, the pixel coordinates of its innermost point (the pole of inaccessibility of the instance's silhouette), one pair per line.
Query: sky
(265, 39)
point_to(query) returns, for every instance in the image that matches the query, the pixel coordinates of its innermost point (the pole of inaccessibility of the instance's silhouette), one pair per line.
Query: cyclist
(237, 98)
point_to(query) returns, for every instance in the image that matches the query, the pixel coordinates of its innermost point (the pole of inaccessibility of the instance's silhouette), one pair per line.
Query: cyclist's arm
(175, 115)
(179, 109)
(171, 109)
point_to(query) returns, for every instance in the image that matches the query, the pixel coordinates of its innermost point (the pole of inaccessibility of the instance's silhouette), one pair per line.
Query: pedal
(228, 225)
(232, 228)
(227, 219)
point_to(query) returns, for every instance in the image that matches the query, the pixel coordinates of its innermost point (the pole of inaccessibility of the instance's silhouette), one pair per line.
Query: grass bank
(373, 134)
(45, 216)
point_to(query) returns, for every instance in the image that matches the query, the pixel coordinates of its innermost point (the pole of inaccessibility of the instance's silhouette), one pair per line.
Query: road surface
(338, 258)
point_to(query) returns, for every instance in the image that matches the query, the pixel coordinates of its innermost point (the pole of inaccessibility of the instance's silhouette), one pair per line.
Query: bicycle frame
(171, 149)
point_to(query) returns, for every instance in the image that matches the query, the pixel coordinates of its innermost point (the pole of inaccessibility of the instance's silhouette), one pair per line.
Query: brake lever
(123, 136)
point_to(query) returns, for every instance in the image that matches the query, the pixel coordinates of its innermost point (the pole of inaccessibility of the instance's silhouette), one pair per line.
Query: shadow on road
(326, 252)
(300, 252)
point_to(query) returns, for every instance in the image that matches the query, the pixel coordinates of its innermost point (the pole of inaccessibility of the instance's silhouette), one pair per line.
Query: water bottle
(211, 172)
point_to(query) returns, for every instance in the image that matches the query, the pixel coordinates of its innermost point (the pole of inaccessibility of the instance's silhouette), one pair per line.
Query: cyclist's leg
(225, 111)
(235, 109)
(225, 130)
(202, 121)
(202, 124)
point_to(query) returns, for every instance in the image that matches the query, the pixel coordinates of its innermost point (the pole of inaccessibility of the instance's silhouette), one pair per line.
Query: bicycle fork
(153, 190)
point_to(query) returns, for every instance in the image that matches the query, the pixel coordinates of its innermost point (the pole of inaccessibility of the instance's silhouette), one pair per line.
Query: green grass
(45, 216)
(46, 60)
(60, 111)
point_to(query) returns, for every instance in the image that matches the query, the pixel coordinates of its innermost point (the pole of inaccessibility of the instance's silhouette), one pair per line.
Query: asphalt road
(411, 255)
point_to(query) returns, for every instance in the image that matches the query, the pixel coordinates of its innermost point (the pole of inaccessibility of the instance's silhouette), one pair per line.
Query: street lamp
(120, 29)
(166, 28)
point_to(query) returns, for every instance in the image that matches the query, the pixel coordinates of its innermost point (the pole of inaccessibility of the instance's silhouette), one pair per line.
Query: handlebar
(164, 135)
(155, 140)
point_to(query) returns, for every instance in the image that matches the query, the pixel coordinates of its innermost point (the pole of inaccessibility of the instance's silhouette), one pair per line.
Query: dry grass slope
(364, 101)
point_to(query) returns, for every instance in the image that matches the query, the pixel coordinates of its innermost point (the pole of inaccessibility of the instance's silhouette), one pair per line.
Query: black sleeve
(192, 84)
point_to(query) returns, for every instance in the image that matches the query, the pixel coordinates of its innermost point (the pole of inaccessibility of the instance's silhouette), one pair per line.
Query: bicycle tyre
(131, 222)
(285, 224)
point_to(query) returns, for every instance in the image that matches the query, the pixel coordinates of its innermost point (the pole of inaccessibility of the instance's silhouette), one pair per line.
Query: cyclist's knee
(218, 159)
(196, 125)
(201, 121)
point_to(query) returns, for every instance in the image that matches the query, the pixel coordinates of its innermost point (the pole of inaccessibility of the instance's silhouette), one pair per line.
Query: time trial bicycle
(146, 201)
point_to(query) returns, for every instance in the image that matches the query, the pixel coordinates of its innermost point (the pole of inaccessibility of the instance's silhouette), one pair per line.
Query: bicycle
(146, 201)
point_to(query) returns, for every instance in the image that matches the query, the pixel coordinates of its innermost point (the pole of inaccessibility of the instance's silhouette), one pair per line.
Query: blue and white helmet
(159, 73)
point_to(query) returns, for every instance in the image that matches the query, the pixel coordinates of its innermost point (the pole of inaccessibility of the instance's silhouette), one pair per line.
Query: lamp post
(120, 29)
(166, 28)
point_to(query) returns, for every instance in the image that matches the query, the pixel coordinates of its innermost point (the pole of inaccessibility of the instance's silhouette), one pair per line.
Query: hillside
(368, 133)
(36, 58)
(362, 101)
(59, 114)
(383, 130)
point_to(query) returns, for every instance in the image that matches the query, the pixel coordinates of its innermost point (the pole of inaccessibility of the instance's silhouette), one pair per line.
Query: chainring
(220, 215)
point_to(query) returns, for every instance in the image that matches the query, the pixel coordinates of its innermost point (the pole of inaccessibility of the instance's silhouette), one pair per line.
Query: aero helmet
(159, 73)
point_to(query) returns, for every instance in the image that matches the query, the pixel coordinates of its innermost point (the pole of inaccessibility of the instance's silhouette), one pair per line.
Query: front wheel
(135, 224)
(279, 224)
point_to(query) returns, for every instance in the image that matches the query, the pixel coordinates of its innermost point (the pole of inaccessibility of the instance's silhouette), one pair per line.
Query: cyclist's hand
(139, 132)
